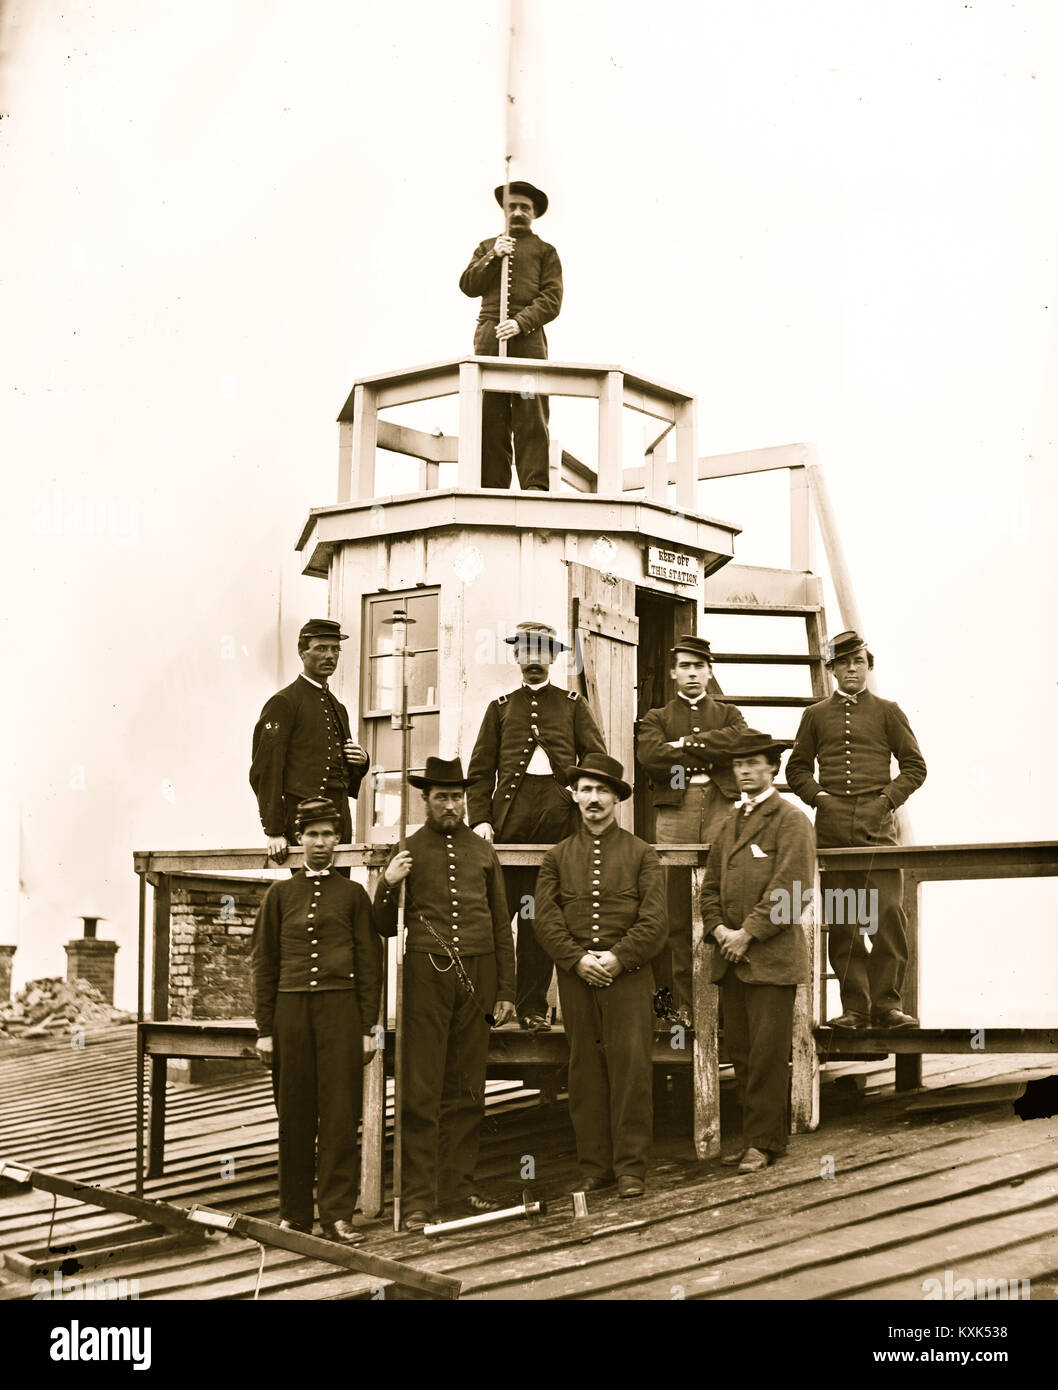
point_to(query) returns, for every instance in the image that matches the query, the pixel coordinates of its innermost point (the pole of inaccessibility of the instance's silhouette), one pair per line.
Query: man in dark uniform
(854, 735)
(760, 867)
(601, 917)
(692, 795)
(317, 973)
(517, 789)
(534, 298)
(302, 746)
(458, 974)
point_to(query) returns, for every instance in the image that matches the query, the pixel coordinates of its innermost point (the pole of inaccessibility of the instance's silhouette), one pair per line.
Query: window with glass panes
(379, 800)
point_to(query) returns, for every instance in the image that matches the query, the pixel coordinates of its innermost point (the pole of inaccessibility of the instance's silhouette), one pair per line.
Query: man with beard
(458, 981)
(517, 789)
(854, 736)
(692, 795)
(302, 745)
(534, 298)
(601, 917)
(317, 973)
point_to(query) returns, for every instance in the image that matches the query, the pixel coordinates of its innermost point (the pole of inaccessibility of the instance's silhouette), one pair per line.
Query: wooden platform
(944, 1179)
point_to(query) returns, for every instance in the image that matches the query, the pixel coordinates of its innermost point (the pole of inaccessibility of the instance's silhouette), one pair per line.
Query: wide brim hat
(538, 197)
(439, 772)
(607, 769)
(746, 742)
(315, 809)
(538, 635)
(845, 644)
(323, 627)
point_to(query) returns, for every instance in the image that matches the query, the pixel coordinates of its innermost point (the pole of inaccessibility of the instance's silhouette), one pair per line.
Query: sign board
(673, 565)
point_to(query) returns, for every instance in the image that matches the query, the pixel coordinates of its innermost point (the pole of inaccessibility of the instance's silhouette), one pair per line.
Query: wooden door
(606, 639)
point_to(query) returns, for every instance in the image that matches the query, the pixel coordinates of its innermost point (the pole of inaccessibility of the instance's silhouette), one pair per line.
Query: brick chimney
(92, 959)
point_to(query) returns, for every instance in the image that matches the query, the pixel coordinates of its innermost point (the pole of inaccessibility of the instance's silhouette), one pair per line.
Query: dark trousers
(446, 1047)
(542, 814)
(758, 1032)
(340, 796)
(317, 1083)
(525, 416)
(697, 820)
(870, 981)
(610, 1032)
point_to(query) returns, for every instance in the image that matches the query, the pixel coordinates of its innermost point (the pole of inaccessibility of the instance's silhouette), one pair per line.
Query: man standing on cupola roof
(534, 298)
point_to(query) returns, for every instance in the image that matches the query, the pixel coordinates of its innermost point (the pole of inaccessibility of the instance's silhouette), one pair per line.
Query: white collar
(535, 688)
(316, 873)
(850, 695)
(312, 682)
(744, 801)
(693, 703)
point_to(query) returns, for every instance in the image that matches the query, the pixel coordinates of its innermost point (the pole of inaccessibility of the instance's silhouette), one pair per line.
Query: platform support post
(706, 1009)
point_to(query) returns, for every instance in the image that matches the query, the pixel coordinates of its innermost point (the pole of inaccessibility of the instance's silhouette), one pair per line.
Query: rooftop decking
(890, 1191)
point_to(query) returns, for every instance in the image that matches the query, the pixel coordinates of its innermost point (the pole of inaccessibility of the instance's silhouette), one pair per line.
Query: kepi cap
(844, 644)
(323, 627)
(316, 808)
(536, 635)
(699, 646)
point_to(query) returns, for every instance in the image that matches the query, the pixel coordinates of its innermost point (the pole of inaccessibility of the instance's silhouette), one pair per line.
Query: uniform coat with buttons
(298, 752)
(854, 739)
(687, 812)
(534, 299)
(606, 893)
(758, 871)
(456, 885)
(525, 808)
(317, 974)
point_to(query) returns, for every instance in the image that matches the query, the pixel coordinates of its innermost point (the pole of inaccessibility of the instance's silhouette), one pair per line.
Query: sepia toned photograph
(532, 715)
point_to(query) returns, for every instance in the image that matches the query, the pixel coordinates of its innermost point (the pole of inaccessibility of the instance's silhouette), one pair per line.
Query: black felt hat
(746, 742)
(539, 199)
(439, 772)
(607, 769)
(845, 644)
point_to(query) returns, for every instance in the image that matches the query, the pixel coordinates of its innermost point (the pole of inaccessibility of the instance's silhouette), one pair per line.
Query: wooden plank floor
(889, 1192)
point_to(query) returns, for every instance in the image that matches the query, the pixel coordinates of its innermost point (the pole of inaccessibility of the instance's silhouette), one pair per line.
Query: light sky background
(833, 221)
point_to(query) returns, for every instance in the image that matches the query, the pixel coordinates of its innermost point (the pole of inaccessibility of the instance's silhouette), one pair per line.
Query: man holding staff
(534, 298)
(458, 982)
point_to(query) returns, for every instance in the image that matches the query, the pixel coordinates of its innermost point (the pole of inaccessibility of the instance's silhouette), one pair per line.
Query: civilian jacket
(456, 884)
(315, 935)
(566, 730)
(297, 750)
(761, 893)
(853, 743)
(601, 893)
(678, 720)
(534, 289)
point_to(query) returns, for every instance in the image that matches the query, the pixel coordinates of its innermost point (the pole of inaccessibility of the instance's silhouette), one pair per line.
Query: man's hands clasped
(598, 968)
(733, 944)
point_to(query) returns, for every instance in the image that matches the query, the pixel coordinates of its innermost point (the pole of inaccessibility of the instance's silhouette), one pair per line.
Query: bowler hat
(323, 627)
(536, 635)
(746, 742)
(607, 769)
(440, 772)
(699, 646)
(844, 644)
(316, 808)
(539, 199)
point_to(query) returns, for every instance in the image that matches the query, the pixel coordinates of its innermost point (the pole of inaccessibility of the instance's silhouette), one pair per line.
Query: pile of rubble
(53, 1008)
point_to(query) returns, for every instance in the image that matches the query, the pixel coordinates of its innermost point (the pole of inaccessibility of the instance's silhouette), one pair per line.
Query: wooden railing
(160, 1039)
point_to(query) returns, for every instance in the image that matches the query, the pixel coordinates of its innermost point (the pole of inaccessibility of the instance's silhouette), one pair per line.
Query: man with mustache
(600, 915)
(692, 795)
(854, 736)
(534, 298)
(302, 745)
(458, 981)
(317, 974)
(517, 789)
